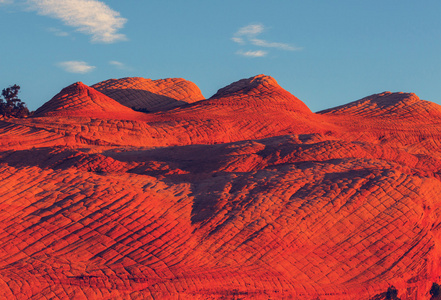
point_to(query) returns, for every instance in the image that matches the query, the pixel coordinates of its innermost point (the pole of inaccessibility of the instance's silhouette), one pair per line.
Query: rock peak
(76, 85)
(247, 84)
(385, 104)
(79, 99)
(150, 95)
(259, 91)
(387, 98)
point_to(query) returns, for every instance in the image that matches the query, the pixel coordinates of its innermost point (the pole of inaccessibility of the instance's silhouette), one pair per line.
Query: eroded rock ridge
(244, 195)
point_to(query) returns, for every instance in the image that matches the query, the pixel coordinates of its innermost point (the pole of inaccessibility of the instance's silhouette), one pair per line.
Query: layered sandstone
(80, 100)
(245, 195)
(150, 95)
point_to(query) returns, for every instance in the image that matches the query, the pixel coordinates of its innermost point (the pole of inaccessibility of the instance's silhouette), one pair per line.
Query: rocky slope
(150, 95)
(79, 100)
(245, 195)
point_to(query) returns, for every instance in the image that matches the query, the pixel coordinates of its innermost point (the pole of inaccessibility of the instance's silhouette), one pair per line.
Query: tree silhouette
(392, 293)
(435, 291)
(11, 105)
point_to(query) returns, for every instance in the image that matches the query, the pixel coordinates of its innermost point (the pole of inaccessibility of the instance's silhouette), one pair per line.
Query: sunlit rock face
(80, 100)
(150, 95)
(259, 91)
(244, 195)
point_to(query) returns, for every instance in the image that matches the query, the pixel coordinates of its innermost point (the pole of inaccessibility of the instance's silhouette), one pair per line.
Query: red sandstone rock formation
(79, 100)
(150, 95)
(246, 195)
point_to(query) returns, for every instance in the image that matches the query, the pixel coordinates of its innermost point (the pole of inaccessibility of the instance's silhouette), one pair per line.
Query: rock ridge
(247, 194)
(150, 95)
(386, 104)
(80, 99)
(258, 91)
(245, 85)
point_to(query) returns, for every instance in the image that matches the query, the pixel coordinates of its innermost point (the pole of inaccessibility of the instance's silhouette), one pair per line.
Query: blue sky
(326, 53)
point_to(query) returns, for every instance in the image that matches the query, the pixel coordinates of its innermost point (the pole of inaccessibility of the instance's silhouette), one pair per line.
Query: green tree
(11, 105)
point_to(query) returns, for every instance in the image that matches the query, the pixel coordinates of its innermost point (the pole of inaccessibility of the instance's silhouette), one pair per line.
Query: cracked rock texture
(245, 195)
(150, 95)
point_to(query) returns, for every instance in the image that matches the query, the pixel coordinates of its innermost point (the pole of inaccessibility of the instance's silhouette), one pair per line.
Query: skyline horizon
(208, 97)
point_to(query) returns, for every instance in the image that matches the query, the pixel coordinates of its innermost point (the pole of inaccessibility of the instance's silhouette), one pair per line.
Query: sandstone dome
(150, 95)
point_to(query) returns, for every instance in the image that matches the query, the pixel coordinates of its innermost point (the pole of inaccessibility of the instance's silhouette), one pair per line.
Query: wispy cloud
(257, 53)
(238, 40)
(6, 1)
(74, 66)
(90, 17)
(119, 65)
(282, 46)
(247, 35)
(250, 30)
(57, 32)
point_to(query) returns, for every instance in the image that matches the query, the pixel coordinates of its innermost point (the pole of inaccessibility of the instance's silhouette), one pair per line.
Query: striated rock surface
(150, 95)
(265, 110)
(80, 100)
(258, 91)
(245, 195)
(387, 104)
(396, 119)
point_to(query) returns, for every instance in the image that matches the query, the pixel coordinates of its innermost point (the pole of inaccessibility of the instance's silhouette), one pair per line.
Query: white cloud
(250, 30)
(91, 17)
(247, 35)
(247, 32)
(119, 65)
(73, 66)
(282, 46)
(6, 1)
(257, 53)
(238, 40)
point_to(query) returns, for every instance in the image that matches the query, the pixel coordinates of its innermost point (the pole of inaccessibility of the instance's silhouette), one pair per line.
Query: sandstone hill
(244, 195)
(79, 100)
(150, 95)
